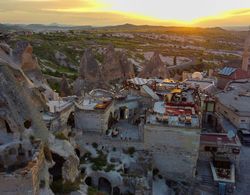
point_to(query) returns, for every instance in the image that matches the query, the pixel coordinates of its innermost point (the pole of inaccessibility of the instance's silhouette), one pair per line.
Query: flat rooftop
(215, 138)
(94, 103)
(173, 115)
(236, 98)
(203, 84)
(58, 106)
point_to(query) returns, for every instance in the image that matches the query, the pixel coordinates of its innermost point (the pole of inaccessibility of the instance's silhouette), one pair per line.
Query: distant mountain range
(42, 27)
(123, 27)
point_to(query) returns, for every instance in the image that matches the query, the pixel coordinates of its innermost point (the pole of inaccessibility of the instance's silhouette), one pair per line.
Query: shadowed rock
(89, 68)
(116, 65)
(65, 88)
(155, 68)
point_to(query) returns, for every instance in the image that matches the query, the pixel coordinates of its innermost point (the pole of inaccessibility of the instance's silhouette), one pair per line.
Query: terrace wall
(174, 150)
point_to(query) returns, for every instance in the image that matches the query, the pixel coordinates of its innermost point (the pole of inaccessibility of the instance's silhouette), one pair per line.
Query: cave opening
(88, 181)
(56, 170)
(8, 129)
(71, 120)
(78, 153)
(104, 185)
(27, 124)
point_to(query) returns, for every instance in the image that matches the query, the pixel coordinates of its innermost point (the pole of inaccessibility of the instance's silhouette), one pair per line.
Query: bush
(59, 187)
(93, 191)
(87, 155)
(109, 168)
(99, 162)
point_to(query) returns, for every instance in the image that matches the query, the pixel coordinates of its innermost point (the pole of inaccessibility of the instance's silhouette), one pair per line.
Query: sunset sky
(112, 12)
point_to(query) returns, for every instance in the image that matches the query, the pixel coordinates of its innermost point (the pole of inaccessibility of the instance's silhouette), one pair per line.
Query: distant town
(124, 110)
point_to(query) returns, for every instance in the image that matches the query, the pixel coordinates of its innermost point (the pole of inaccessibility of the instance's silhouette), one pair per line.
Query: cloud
(31, 5)
(241, 12)
(111, 12)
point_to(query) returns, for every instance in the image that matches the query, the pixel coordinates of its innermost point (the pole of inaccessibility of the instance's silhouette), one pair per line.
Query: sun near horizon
(112, 12)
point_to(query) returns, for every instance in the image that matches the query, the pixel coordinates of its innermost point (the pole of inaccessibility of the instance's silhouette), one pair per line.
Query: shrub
(99, 162)
(109, 168)
(87, 155)
(93, 191)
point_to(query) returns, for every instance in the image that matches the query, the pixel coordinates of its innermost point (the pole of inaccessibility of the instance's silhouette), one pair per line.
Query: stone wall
(16, 184)
(92, 137)
(174, 150)
(26, 180)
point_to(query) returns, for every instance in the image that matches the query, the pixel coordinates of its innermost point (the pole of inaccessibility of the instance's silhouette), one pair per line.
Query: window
(243, 121)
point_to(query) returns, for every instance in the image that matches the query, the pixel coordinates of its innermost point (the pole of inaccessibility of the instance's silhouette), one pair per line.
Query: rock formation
(66, 151)
(23, 55)
(64, 61)
(65, 88)
(22, 104)
(155, 68)
(116, 65)
(89, 74)
(28, 62)
(89, 68)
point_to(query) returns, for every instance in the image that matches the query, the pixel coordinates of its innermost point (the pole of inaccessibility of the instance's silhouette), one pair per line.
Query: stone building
(27, 178)
(214, 144)
(232, 106)
(98, 112)
(172, 135)
(60, 116)
(93, 116)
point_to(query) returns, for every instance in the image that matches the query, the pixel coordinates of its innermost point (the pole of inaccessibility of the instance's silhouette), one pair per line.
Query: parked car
(244, 136)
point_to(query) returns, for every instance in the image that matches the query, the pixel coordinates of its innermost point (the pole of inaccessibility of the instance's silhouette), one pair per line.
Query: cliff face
(20, 103)
(116, 65)
(155, 68)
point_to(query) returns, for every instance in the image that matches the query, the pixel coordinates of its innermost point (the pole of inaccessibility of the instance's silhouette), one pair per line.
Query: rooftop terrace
(172, 115)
